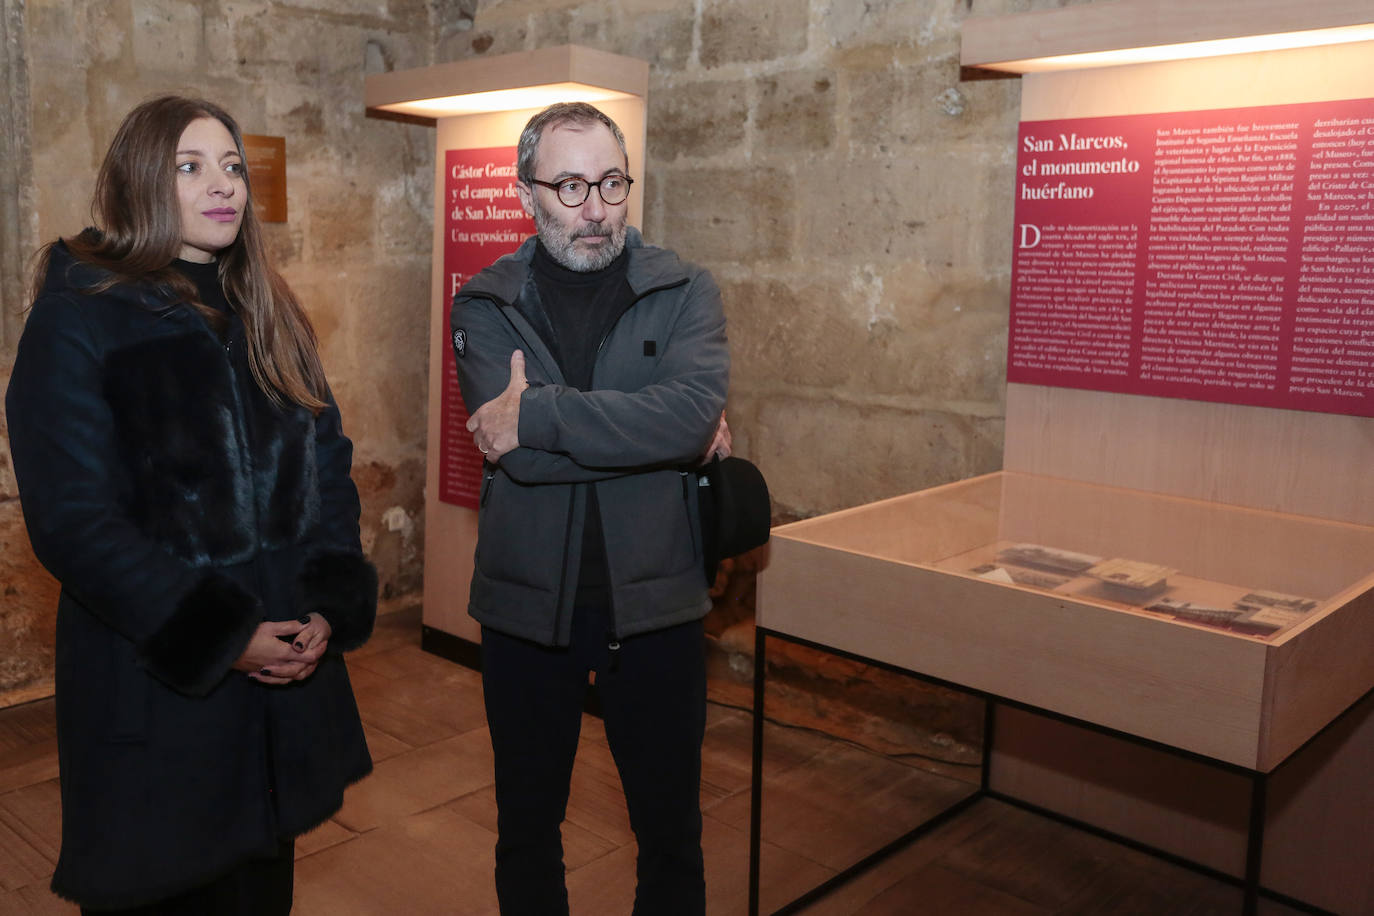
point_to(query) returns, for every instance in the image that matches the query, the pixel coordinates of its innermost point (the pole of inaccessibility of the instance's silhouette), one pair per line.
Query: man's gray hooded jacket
(659, 385)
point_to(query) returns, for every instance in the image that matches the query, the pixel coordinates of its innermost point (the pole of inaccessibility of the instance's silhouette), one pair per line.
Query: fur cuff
(196, 646)
(342, 587)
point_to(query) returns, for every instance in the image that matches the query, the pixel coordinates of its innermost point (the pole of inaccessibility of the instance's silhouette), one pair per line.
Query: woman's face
(210, 189)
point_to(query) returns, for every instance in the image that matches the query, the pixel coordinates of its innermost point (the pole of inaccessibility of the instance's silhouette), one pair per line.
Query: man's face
(590, 236)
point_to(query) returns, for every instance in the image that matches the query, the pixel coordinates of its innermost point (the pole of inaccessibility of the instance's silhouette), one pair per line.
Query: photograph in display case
(1292, 604)
(1232, 619)
(1131, 580)
(1051, 559)
(1019, 575)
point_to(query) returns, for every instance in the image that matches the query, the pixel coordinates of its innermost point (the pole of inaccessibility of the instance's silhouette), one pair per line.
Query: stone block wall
(851, 195)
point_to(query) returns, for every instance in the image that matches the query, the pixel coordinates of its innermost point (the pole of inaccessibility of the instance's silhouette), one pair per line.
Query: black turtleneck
(207, 282)
(581, 307)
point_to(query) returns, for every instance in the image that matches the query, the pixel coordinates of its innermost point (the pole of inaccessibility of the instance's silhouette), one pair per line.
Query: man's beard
(560, 241)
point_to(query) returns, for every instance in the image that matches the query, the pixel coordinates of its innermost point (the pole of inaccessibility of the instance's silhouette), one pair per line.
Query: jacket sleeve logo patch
(460, 342)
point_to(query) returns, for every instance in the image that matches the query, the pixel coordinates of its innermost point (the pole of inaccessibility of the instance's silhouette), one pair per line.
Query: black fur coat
(179, 507)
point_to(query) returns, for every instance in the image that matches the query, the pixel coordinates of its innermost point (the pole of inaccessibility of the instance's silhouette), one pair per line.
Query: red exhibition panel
(482, 221)
(1223, 255)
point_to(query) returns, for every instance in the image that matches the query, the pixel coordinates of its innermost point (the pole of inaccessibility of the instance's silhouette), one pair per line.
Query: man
(595, 368)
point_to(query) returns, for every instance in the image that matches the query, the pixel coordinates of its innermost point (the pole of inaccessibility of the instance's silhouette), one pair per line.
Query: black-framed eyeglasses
(573, 192)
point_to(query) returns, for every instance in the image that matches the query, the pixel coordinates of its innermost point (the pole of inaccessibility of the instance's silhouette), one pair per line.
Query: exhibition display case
(1229, 632)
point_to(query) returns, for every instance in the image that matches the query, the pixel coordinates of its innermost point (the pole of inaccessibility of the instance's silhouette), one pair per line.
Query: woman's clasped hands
(282, 651)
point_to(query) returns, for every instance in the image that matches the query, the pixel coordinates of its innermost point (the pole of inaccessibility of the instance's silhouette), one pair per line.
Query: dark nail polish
(304, 618)
(264, 671)
(300, 646)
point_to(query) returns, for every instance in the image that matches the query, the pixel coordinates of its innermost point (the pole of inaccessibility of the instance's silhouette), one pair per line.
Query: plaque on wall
(267, 175)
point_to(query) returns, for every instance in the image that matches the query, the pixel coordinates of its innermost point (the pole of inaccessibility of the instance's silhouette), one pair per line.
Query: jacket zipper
(255, 562)
(613, 638)
(688, 478)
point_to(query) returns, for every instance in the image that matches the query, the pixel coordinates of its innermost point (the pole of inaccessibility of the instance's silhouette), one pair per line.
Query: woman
(184, 475)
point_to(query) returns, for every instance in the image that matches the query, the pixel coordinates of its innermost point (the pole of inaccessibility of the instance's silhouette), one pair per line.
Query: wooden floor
(416, 837)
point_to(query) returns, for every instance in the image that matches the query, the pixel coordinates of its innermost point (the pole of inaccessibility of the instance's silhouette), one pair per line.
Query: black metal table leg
(989, 726)
(1254, 848)
(756, 773)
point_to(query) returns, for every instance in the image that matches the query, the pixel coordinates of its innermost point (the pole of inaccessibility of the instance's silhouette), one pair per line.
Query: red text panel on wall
(1223, 255)
(483, 220)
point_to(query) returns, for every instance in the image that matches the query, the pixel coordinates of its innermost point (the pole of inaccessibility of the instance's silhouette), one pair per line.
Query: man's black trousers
(652, 691)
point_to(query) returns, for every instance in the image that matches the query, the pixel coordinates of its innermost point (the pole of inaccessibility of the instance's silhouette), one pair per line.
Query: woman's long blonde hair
(138, 234)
